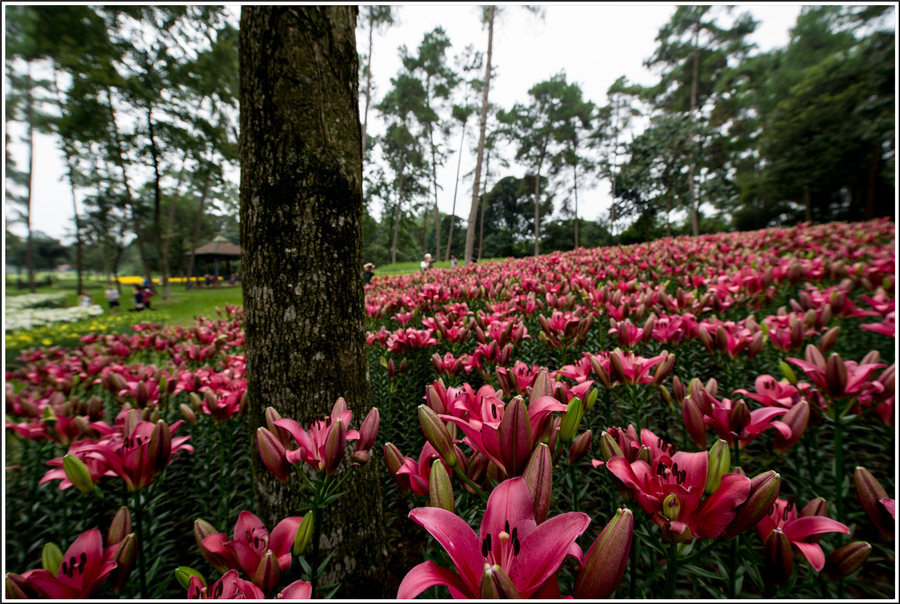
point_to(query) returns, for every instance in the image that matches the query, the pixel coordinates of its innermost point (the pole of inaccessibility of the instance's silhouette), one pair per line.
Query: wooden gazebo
(218, 249)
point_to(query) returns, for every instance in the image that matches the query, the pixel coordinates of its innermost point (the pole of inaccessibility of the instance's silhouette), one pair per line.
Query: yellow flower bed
(133, 280)
(67, 333)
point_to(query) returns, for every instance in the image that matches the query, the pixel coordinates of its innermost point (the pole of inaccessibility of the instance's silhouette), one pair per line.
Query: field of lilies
(707, 417)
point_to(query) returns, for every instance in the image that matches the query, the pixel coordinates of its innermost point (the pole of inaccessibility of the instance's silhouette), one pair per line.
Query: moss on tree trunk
(301, 238)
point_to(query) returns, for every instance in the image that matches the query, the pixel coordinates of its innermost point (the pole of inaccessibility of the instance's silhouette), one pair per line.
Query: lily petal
(429, 574)
(458, 539)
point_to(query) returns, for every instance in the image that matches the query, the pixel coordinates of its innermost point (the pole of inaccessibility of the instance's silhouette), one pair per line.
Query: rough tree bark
(695, 220)
(487, 173)
(537, 205)
(575, 178)
(473, 211)
(368, 85)
(874, 166)
(301, 255)
(190, 273)
(79, 253)
(462, 139)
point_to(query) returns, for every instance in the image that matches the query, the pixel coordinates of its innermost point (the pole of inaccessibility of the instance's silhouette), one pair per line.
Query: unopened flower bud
(604, 563)
(846, 560)
(788, 373)
(394, 461)
(869, 492)
(335, 443)
(835, 376)
(121, 526)
(159, 450)
(436, 433)
(268, 573)
(272, 454)
(77, 473)
(778, 557)
(496, 584)
(440, 491)
(764, 490)
(183, 575)
(829, 339)
(571, 419)
(368, 431)
(719, 463)
(581, 446)
(51, 557)
(124, 558)
(797, 419)
(188, 414)
(304, 533)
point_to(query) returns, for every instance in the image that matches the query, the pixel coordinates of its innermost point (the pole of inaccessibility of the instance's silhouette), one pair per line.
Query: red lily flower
(733, 422)
(229, 587)
(798, 530)
(772, 393)
(83, 570)
(671, 489)
(312, 443)
(510, 540)
(251, 542)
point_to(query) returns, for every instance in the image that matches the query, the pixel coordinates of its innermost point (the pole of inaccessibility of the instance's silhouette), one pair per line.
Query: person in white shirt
(112, 296)
(427, 263)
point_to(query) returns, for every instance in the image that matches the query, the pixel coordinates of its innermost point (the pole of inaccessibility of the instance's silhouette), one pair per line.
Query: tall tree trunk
(120, 159)
(874, 165)
(462, 139)
(79, 247)
(695, 222)
(473, 211)
(197, 227)
(368, 85)
(437, 212)
(807, 203)
(305, 334)
(575, 179)
(487, 173)
(537, 206)
(29, 114)
(668, 206)
(157, 189)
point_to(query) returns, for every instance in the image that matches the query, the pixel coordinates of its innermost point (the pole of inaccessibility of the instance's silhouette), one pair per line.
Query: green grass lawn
(404, 268)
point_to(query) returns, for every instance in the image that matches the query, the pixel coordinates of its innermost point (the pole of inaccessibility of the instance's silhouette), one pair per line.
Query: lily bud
(440, 491)
(869, 491)
(788, 373)
(571, 419)
(183, 575)
(202, 530)
(369, 430)
(268, 573)
(835, 376)
(666, 397)
(797, 419)
(77, 473)
(51, 557)
(829, 339)
(846, 560)
(678, 390)
(692, 415)
(812, 355)
(616, 370)
(756, 345)
(49, 415)
(434, 400)
(188, 414)
(764, 490)
(645, 455)
(436, 433)
(663, 370)
(604, 563)
(121, 526)
(671, 507)
(335, 443)
(543, 386)
(394, 461)
(719, 463)
(18, 588)
(272, 454)
(739, 416)
(304, 533)
(538, 476)
(160, 447)
(94, 408)
(602, 374)
(503, 380)
(712, 387)
(581, 446)
(779, 558)
(124, 558)
(496, 584)
(873, 356)
(515, 437)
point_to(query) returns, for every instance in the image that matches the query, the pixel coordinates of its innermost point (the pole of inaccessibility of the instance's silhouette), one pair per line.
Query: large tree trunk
(473, 211)
(301, 216)
(190, 274)
(164, 258)
(29, 109)
(368, 84)
(537, 207)
(462, 139)
(79, 253)
(157, 190)
(397, 214)
(120, 159)
(869, 209)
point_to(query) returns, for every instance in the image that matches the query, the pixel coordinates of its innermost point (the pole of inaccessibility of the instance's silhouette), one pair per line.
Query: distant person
(453, 262)
(112, 297)
(427, 263)
(369, 273)
(145, 297)
(19, 283)
(85, 300)
(138, 299)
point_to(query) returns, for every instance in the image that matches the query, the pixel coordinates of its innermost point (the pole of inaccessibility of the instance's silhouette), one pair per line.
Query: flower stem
(139, 521)
(474, 486)
(221, 510)
(732, 569)
(632, 583)
(839, 480)
(671, 571)
(317, 534)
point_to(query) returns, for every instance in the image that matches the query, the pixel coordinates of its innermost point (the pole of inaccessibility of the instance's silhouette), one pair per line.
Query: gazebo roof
(219, 247)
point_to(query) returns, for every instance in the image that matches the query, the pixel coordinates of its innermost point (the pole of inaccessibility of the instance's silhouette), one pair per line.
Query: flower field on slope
(699, 417)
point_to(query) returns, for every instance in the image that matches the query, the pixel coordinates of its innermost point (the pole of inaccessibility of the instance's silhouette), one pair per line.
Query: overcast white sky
(594, 44)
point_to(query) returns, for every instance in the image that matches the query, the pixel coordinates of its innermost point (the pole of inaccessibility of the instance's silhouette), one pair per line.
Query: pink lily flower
(312, 443)
(579, 371)
(229, 587)
(671, 488)
(632, 369)
(733, 422)
(888, 327)
(251, 543)
(527, 553)
(772, 393)
(420, 472)
(798, 530)
(631, 444)
(83, 570)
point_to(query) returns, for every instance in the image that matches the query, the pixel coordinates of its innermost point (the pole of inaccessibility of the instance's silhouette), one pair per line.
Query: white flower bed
(14, 303)
(30, 311)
